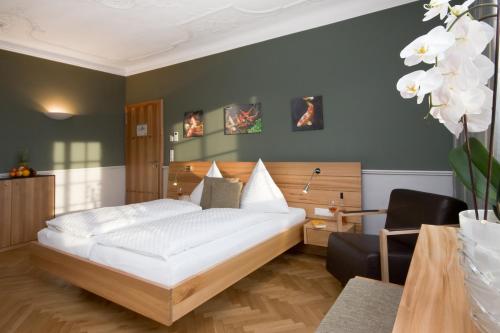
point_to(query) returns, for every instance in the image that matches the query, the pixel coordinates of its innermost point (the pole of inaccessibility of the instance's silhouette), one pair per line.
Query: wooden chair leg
(384, 255)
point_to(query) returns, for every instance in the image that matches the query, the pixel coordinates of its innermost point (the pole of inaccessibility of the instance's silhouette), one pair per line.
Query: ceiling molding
(351, 9)
(7, 46)
(199, 32)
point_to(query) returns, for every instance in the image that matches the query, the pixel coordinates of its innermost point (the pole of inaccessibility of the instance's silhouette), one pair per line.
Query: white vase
(480, 260)
(486, 233)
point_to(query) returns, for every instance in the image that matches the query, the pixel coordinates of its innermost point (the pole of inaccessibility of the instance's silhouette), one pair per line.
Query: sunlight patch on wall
(78, 176)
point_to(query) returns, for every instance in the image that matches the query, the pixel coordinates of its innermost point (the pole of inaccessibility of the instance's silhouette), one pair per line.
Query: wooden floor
(290, 294)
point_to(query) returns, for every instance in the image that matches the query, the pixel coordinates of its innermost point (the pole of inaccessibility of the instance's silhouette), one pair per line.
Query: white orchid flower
(485, 67)
(435, 8)
(479, 122)
(458, 10)
(471, 36)
(409, 85)
(447, 107)
(445, 114)
(419, 83)
(451, 105)
(428, 47)
(459, 71)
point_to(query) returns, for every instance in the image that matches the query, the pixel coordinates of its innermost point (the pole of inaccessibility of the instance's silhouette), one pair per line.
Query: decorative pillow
(261, 194)
(208, 182)
(226, 195)
(198, 190)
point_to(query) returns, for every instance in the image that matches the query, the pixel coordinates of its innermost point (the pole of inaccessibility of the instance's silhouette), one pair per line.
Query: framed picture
(193, 124)
(242, 119)
(307, 113)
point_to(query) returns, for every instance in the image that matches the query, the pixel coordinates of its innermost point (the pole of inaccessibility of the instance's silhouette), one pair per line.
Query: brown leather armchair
(387, 257)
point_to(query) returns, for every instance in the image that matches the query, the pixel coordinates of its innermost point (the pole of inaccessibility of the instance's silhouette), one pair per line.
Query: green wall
(354, 64)
(93, 137)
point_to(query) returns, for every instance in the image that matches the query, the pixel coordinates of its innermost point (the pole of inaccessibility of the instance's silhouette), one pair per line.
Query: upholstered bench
(364, 305)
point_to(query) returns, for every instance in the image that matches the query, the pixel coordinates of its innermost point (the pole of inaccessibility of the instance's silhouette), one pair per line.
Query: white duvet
(99, 221)
(167, 237)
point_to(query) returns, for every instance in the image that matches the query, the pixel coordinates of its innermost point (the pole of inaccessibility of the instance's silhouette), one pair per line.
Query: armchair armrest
(364, 212)
(384, 250)
(367, 212)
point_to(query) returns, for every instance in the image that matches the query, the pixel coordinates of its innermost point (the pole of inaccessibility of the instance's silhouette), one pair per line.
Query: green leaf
(458, 161)
(479, 156)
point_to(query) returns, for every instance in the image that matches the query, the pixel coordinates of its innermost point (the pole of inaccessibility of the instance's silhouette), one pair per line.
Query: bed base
(162, 304)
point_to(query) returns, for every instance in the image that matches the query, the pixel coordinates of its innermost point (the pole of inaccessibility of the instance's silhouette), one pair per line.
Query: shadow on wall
(79, 178)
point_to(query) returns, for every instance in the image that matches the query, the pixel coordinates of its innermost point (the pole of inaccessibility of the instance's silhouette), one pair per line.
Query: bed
(165, 289)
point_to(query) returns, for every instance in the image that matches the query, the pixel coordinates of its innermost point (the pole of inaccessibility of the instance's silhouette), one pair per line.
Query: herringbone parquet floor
(290, 294)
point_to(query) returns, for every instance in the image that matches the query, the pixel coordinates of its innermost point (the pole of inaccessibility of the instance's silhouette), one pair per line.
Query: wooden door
(144, 151)
(32, 205)
(5, 212)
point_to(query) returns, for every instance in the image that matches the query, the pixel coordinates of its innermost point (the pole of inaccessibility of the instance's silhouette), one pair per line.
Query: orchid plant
(456, 84)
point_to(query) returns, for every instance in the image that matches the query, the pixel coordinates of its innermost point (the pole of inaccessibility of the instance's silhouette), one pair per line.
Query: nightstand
(319, 236)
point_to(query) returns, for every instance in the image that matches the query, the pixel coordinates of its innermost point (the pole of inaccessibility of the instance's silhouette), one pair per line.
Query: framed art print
(242, 119)
(193, 124)
(307, 113)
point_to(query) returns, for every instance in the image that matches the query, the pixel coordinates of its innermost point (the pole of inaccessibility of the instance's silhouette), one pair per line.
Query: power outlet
(322, 212)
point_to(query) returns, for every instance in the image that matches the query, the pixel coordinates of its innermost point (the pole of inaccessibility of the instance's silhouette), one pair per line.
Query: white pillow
(195, 196)
(261, 194)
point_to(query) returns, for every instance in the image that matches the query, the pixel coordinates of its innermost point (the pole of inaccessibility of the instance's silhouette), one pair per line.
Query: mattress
(181, 266)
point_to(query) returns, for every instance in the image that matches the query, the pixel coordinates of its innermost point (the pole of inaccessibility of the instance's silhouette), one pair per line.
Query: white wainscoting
(78, 189)
(86, 188)
(378, 184)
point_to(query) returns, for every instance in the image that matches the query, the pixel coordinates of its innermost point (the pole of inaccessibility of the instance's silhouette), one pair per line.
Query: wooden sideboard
(25, 205)
(434, 297)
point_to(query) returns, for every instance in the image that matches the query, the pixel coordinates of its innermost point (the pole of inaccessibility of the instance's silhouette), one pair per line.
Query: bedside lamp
(306, 189)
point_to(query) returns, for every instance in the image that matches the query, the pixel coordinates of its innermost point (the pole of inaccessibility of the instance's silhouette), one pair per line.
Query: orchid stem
(469, 161)
(493, 120)
(487, 17)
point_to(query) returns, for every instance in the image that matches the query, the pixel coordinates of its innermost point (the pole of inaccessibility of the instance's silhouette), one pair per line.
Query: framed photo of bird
(307, 113)
(242, 119)
(193, 124)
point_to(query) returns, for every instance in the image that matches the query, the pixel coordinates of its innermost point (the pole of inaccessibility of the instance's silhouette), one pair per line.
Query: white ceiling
(126, 37)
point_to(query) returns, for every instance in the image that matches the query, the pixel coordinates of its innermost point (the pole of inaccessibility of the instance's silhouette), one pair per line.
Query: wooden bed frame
(167, 305)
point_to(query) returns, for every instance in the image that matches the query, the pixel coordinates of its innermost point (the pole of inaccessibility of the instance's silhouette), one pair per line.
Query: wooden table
(434, 297)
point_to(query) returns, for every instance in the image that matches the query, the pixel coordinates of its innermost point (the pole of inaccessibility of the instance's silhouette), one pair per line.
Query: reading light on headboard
(306, 189)
(175, 183)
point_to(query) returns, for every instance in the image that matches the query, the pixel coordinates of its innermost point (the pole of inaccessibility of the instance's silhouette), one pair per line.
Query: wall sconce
(175, 183)
(57, 113)
(306, 189)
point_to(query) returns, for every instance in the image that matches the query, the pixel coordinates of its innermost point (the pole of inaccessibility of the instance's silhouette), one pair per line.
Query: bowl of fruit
(22, 172)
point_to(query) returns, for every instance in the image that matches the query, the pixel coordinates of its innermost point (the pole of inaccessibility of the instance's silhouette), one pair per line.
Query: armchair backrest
(411, 209)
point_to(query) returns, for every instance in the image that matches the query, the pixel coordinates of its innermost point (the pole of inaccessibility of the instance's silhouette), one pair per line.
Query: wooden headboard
(291, 177)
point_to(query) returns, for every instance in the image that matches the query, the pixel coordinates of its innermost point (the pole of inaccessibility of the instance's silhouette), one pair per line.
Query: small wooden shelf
(319, 236)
